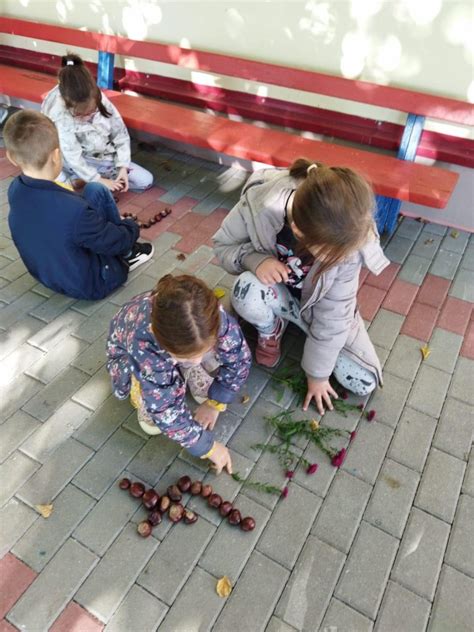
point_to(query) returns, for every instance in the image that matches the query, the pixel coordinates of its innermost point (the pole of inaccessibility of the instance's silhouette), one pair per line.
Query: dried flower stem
(261, 487)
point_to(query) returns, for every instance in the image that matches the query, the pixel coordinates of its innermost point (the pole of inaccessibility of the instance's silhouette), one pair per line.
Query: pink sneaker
(268, 351)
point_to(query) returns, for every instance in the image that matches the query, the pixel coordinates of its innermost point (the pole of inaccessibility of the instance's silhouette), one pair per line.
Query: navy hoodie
(66, 244)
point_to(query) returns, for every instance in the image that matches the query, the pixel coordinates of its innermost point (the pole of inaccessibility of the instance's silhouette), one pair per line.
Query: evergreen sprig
(261, 487)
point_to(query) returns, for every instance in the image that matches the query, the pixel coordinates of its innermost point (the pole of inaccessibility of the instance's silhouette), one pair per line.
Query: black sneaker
(141, 252)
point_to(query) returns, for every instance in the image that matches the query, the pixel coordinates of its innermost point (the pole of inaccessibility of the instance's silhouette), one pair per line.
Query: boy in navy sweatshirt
(74, 244)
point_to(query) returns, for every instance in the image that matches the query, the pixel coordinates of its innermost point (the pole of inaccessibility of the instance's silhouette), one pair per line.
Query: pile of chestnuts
(170, 504)
(150, 221)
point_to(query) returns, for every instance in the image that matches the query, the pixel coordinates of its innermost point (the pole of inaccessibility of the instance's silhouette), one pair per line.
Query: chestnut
(152, 221)
(144, 528)
(234, 517)
(137, 490)
(184, 484)
(125, 215)
(206, 491)
(158, 217)
(225, 508)
(125, 483)
(247, 524)
(164, 504)
(146, 225)
(150, 499)
(195, 488)
(168, 210)
(215, 501)
(190, 517)
(140, 225)
(174, 493)
(134, 217)
(163, 213)
(176, 512)
(154, 517)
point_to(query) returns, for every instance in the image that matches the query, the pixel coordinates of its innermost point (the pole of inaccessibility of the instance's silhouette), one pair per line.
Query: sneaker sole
(142, 260)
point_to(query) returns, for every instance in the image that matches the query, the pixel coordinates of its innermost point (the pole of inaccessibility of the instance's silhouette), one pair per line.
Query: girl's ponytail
(302, 167)
(77, 85)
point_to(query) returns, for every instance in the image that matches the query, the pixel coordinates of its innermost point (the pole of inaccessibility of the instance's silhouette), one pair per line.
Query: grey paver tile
(105, 521)
(429, 391)
(97, 324)
(252, 601)
(427, 245)
(202, 612)
(267, 470)
(14, 290)
(43, 601)
(44, 538)
(320, 482)
(275, 541)
(15, 431)
(318, 566)
(253, 387)
(165, 241)
(52, 477)
(226, 426)
(152, 460)
(412, 440)
(402, 611)
(14, 472)
(382, 354)
(340, 617)
(444, 347)
(100, 472)
(15, 311)
(455, 429)
(103, 422)
(163, 264)
(123, 561)
(95, 391)
(210, 274)
(467, 261)
(11, 339)
(456, 241)
(453, 608)
(56, 360)
(463, 379)
(138, 611)
(414, 269)
(421, 553)
(14, 269)
(171, 565)
(398, 249)
(17, 362)
(390, 400)
(253, 429)
(392, 499)
(385, 328)
(55, 332)
(409, 228)
(460, 552)
(340, 515)
(15, 518)
(405, 358)
(92, 358)
(51, 308)
(230, 547)
(197, 260)
(42, 290)
(463, 286)
(468, 484)
(367, 569)
(445, 264)
(139, 284)
(367, 452)
(277, 625)
(50, 397)
(436, 229)
(55, 431)
(440, 485)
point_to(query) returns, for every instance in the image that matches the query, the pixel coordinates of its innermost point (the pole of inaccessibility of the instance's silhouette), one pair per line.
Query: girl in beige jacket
(298, 238)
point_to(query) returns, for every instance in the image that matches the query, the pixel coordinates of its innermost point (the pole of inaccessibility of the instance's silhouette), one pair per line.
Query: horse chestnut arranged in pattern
(234, 517)
(184, 484)
(125, 483)
(247, 524)
(176, 512)
(150, 499)
(164, 504)
(225, 508)
(174, 493)
(144, 528)
(155, 517)
(137, 489)
(195, 488)
(206, 491)
(190, 517)
(215, 501)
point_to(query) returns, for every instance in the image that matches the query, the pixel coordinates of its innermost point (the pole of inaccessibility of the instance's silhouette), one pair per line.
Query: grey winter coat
(247, 237)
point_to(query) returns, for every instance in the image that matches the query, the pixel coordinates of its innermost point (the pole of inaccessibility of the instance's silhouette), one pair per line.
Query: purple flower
(344, 395)
(290, 474)
(370, 416)
(284, 492)
(312, 469)
(352, 436)
(338, 459)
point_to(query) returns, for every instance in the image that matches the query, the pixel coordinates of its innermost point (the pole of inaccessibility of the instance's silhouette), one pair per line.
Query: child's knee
(244, 288)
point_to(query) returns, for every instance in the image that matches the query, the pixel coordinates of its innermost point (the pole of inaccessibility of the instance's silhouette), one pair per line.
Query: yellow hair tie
(210, 453)
(217, 405)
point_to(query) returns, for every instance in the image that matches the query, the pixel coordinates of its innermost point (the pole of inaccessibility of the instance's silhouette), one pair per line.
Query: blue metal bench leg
(105, 70)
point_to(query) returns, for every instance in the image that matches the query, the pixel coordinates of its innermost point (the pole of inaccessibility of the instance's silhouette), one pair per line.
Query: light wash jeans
(262, 305)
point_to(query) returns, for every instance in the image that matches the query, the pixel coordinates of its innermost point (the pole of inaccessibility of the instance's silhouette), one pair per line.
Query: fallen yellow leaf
(219, 292)
(454, 234)
(314, 424)
(245, 399)
(425, 352)
(223, 587)
(45, 510)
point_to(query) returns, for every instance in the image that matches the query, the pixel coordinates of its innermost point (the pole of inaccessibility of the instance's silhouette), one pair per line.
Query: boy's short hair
(30, 138)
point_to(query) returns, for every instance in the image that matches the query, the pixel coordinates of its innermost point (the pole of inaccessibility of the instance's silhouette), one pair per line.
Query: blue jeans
(101, 200)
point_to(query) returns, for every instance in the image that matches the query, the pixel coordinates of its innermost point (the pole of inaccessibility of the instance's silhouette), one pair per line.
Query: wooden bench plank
(421, 184)
(400, 99)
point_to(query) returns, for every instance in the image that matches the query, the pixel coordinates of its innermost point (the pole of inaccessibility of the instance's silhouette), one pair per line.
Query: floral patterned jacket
(132, 349)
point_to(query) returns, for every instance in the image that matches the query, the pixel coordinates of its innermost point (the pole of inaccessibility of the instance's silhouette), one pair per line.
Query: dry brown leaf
(245, 399)
(428, 241)
(425, 352)
(181, 257)
(45, 510)
(219, 292)
(454, 234)
(223, 587)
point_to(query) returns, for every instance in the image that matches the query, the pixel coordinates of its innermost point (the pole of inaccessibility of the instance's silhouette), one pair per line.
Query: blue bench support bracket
(105, 70)
(388, 209)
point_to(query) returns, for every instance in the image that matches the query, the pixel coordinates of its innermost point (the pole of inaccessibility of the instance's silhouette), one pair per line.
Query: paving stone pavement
(385, 543)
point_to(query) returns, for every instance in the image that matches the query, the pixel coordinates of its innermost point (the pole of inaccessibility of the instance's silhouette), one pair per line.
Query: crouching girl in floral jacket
(178, 334)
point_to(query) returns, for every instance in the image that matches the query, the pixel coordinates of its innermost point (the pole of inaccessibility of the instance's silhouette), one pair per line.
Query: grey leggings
(262, 305)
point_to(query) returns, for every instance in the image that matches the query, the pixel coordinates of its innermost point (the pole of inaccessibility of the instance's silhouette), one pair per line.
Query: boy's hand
(206, 416)
(112, 185)
(320, 390)
(221, 458)
(122, 178)
(272, 271)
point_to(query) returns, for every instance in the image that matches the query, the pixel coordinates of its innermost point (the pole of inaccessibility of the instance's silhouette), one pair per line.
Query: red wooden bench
(391, 177)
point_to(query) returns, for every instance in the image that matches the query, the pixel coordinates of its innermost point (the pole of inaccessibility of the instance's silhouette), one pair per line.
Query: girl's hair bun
(71, 60)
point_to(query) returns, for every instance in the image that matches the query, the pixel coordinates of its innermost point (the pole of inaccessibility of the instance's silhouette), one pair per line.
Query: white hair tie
(70, 62)
(313, 166)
